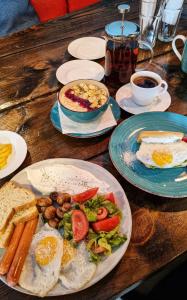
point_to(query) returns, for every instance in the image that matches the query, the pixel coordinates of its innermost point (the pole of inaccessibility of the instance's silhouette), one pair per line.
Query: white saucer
(87, 48)
(79, 69)
(125, 100)
(18, 154)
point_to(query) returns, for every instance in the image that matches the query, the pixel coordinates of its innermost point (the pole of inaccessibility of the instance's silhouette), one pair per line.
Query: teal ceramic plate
(56, 121)
(123, 142)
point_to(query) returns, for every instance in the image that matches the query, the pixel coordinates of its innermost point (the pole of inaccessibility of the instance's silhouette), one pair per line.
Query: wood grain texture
(28, 87)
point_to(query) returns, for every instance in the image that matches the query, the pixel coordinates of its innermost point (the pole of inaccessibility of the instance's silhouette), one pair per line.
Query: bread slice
(162, 137)
(19, 217)
(25, 215)
(13, 198)
(6, 236)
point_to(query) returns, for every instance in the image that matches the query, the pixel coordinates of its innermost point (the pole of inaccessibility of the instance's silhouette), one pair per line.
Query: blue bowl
(86, 116)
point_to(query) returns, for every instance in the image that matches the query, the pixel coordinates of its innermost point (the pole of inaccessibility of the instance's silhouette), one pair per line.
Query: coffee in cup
(146, 86)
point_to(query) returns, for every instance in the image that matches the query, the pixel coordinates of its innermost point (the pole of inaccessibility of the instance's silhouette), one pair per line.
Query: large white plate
(79, 69)
(88, 48)
(100, 173)
(18, 154)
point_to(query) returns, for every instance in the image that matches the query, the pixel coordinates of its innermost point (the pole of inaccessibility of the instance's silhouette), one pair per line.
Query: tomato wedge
(82, 197)
(102, 213)
(106, 224)
(184, 139)
(110, 197)
(79, 225)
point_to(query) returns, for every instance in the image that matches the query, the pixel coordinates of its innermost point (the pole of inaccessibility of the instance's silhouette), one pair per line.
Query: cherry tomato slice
(184, 139)
(82, 197)
(102, 213)
(110, 197)
(79, 225)
(98, 250)
(106, 224)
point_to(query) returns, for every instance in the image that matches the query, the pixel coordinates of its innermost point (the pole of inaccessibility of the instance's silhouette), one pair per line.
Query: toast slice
(19, 217)
(159, 137)
(13, 198)
(6, 235)
(25, 215)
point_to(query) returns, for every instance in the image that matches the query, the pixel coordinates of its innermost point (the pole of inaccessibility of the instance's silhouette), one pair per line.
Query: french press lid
(122, 28)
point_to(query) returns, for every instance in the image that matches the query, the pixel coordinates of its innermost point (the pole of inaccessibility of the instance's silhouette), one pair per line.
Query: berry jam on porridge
(84, 97)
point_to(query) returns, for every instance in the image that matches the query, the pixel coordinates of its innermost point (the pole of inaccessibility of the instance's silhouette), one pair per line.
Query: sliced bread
(19, 217)
(13, 198)
(6, 235)
(25, 215)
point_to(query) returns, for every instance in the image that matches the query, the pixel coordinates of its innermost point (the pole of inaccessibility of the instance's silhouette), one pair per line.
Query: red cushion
(78, 4)
(49, 9)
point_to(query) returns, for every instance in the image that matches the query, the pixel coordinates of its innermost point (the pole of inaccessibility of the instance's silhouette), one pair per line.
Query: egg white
(78, 271)
(177, 149)
(41, 279)
(63, 178)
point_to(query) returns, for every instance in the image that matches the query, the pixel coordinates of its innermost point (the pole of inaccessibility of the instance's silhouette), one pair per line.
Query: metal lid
(114, 29)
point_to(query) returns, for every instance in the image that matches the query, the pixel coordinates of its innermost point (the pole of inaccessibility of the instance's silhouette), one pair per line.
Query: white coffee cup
(145, 96)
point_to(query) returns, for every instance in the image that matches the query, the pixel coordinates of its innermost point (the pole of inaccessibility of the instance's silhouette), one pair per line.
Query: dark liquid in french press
(121, 59)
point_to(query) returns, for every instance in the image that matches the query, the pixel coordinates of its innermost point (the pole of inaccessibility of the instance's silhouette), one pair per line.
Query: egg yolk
(46, 250)
(5, 151)
(68, 252)
(162, 158)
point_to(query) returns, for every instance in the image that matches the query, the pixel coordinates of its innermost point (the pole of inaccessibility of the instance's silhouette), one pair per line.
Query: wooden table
(28, 86)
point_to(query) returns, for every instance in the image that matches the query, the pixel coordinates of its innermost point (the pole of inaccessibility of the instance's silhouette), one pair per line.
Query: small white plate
(18, 154)
(87, 48)
(125, 100)
(79, 69)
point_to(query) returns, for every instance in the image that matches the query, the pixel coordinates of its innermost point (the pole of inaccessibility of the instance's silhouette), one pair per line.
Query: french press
(121, 49)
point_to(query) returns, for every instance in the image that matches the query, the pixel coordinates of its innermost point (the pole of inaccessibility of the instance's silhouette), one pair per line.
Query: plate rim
(87, 136)
(81, 38)
(23, 143)
(125, 176)
(129, 213)
(84, 61)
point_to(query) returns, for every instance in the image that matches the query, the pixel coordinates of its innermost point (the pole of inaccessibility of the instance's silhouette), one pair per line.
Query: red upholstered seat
(49, 9)
(79, 4)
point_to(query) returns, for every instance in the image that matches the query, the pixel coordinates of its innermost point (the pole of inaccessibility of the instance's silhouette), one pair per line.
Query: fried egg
(78, 270)
(163, 155)
(43, 263)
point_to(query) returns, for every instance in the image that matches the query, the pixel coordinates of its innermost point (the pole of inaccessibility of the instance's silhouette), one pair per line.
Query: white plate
(101, 174)
(125, 100)
(79, 69)
(88, 48)
(18, 154)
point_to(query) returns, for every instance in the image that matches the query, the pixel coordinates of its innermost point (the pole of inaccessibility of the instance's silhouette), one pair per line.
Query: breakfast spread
(74, 232)
(162, 149)
(5, 153)
(84, 97)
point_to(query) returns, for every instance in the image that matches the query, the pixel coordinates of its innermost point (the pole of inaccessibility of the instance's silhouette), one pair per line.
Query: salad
(89, 216)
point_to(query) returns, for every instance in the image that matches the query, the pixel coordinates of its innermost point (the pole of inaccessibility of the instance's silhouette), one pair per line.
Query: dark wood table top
(28, 86)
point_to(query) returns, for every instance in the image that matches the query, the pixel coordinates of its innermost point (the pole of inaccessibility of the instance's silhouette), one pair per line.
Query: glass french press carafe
(121, 49)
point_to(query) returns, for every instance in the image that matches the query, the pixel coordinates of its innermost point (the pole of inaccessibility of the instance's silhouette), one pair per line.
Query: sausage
(11, 250)
(50, 212)
(21, 252)
(53, 223)
(44, 201)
